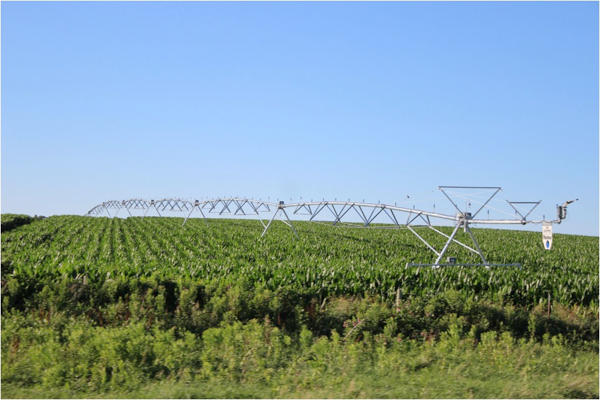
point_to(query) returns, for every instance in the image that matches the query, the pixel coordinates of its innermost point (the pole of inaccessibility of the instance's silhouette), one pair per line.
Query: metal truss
(366, 212)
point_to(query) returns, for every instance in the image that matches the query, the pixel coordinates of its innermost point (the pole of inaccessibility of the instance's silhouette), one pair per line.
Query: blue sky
(374, 101)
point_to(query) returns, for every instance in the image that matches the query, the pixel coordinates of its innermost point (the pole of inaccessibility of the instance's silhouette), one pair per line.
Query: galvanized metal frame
(367, 212)
(524, 217)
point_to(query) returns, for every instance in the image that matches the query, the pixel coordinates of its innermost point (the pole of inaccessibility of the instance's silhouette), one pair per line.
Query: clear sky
(374, 101)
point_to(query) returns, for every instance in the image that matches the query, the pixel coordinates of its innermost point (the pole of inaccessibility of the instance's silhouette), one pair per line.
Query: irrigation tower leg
(186, 218)
(145, 212)
(476, 245)
(423, 240)
(447, 244)
(199, 210)
(203, 216)
(290, 223)
(269, 224)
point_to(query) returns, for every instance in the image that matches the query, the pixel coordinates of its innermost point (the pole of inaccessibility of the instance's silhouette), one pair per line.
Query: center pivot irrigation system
(367, 212)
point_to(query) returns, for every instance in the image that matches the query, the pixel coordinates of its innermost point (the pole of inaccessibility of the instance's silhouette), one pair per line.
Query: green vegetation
(323, 261)
(259, 360)
(12, 221)
(101, 307)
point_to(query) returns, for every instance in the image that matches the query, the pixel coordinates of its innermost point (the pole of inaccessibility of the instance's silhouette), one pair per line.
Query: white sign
(547, 235)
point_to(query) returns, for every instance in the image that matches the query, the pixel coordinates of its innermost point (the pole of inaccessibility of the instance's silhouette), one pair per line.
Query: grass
(239, 363)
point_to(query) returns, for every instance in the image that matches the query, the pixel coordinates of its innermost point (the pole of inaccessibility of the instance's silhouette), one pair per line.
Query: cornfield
(323, 260)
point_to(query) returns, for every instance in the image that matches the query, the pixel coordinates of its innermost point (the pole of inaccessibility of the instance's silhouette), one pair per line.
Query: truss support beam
(524, 217)
(497, 189)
